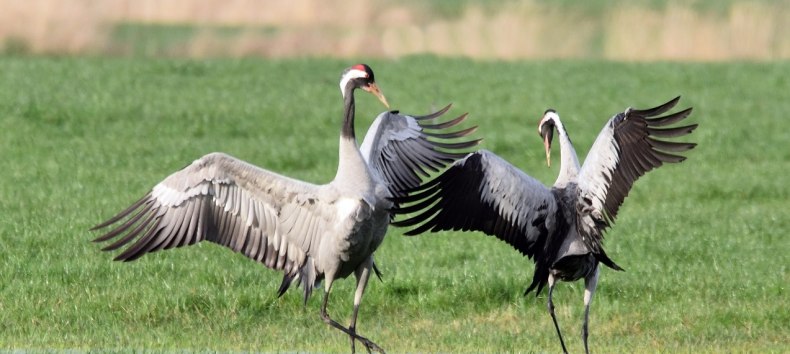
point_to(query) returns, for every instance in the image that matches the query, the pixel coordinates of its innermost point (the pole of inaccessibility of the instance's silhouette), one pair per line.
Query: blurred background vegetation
(640, 30)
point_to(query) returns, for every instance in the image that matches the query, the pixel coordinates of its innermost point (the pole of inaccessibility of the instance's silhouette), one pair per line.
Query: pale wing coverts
(270, 218)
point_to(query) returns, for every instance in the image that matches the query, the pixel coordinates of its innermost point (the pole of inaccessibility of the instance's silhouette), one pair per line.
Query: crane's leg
(551, 311)
(351, 333)
(590, 283)
(362, 274)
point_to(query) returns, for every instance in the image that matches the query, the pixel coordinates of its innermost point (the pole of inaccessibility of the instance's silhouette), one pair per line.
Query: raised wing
(483, 192)
(401, 148)
(627, 148)
(275, 220)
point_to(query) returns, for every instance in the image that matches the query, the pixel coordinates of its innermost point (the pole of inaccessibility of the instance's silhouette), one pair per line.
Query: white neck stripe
(351, 74)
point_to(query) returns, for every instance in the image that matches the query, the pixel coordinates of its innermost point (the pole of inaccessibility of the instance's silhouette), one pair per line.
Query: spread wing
(483, 192)
(402, 148)
(270, 218)
(628, 147)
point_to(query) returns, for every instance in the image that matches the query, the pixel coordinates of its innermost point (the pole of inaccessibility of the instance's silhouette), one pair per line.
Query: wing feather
(434, 114)
(483, 192)
(670, 119)
(671, 132)
(229, 202)
(626, 149)
(122, 214)
(123, 227)
(652, 112)
(669, 145)
(401, 149)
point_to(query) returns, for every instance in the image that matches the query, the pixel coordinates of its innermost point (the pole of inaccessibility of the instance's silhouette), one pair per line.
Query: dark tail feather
(539, 278)
(377, 272)
(287, 279)
(603, 258)
(537, 281)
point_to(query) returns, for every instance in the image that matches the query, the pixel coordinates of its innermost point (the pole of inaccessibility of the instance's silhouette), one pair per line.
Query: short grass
(704, 243)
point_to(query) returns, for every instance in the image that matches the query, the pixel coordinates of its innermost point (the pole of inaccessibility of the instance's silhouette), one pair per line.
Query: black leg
(553, 317)
(351, 332)
(362, 274)
(589, 289)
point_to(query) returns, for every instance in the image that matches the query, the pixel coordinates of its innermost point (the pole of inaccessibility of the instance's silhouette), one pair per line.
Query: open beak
(374, 89)
(547, 145)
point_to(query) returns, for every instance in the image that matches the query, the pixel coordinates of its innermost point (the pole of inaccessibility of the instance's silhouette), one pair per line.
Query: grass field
(704, 243)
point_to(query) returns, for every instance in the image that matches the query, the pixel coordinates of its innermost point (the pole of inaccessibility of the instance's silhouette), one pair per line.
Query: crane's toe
(371, 347)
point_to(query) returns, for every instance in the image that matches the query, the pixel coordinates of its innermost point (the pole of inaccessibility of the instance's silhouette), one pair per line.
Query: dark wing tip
(669, 119)
(671, 132)
(650, 112)
(434, 114)
(146, 198)
(458, 134)
(447, 124)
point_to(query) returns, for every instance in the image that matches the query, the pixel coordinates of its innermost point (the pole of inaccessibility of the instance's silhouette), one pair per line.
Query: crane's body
(560, 228)
(311, 233)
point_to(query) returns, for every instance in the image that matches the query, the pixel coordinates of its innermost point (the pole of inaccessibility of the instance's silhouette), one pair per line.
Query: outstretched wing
(483, 192)
(275, 220)
(401, 148)
(627, 148)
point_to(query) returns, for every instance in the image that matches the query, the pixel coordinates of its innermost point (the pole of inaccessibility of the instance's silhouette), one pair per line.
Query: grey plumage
(309, 232)
(560, 228)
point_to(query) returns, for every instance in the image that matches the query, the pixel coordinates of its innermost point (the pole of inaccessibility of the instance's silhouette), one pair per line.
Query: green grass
(704, 243)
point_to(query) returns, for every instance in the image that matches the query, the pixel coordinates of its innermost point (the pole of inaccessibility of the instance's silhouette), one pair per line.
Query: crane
(309, 232)
(560, 228)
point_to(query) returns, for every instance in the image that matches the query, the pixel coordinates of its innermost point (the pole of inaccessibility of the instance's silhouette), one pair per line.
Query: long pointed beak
(547, 145)
(374, 89)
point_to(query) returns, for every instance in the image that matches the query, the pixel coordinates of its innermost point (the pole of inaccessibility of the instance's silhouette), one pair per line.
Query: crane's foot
(584, 337)
(353, 341)
(369, 345)
(352, 333)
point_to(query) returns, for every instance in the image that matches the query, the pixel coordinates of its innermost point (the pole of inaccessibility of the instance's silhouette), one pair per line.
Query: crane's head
(546, 131)
(360, 76)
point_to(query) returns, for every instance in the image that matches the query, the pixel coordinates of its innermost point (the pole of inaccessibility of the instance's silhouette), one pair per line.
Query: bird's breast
(360, 231)
(347, 208)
